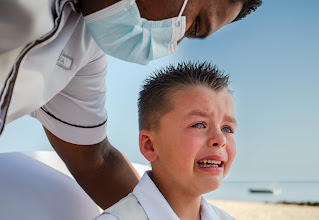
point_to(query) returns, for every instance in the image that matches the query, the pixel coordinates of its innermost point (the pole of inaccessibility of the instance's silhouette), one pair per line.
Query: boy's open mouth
(210, 163)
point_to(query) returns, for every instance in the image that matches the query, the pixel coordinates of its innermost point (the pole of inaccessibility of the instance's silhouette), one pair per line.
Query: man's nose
(217, 139)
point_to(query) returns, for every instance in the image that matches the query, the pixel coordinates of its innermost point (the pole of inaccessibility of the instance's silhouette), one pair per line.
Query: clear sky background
(272, 58)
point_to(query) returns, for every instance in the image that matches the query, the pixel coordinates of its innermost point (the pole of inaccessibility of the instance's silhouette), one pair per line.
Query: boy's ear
(146, 145)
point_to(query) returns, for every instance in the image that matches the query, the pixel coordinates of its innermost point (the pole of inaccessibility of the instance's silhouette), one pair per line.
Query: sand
(265, 211)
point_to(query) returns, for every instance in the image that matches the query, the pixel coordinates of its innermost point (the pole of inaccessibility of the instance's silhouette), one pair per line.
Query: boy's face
(195, 134)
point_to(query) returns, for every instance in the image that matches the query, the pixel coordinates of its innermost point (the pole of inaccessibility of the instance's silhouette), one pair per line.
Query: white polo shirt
(155, 205)
(60, 76)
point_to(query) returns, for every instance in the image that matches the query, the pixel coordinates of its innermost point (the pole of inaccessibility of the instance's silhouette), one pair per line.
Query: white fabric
(37, 185)
(22, 19)
(107, 217)
(65, 75)
(106, 12)
(156, 206)
(33, 190)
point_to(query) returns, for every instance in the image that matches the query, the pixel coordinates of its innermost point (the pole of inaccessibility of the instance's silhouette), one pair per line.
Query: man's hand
(101, 170)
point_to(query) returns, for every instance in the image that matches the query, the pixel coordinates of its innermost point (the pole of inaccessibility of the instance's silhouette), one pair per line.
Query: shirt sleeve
(77, 114)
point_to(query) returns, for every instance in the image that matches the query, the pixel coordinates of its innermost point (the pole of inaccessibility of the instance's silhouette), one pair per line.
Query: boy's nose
(217, 140)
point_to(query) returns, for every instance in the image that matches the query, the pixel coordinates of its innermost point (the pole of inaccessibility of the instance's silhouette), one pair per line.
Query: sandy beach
(268, 211)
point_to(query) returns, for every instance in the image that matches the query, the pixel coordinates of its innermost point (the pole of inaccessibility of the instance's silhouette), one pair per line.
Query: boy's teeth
(209, 163)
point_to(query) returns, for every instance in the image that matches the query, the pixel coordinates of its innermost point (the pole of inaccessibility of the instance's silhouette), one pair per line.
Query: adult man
(51, 68)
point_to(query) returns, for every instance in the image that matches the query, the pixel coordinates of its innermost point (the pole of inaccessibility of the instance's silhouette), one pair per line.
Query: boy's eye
(227, 129)
(198, 125)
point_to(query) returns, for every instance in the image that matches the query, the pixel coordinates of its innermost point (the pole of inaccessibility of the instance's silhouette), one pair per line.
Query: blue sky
(272, 58)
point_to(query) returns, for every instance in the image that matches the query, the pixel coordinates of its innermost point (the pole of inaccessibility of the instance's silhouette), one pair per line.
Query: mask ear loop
(182, 10)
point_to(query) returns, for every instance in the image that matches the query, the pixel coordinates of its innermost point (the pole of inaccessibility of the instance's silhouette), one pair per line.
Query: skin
(102, 171)
(200, 125)
(202, 17)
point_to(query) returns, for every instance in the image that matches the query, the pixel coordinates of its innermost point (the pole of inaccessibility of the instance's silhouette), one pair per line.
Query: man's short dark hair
(249, 6)
(154, 100)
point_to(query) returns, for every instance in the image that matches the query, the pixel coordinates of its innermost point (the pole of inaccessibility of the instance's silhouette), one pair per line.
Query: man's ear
(146, 145)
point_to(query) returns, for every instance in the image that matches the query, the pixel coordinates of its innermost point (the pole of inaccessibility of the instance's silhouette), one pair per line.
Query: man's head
(203, 17)
(186, 118)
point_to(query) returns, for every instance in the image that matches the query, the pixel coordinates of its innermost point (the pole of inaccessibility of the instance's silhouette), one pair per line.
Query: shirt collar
(206, 211)
(155, 205)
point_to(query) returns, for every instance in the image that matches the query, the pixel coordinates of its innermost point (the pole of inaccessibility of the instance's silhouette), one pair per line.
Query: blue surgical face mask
(120, 31)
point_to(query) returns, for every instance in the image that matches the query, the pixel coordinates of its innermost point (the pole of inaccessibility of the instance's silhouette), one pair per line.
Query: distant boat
(275, 191)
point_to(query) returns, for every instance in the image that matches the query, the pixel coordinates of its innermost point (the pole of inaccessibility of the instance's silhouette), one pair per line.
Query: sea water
(284, 191)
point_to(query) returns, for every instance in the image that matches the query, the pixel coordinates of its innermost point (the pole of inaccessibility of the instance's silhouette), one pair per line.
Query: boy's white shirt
(155, 205)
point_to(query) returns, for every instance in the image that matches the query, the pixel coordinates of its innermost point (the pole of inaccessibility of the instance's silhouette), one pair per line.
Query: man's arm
(101, 170)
